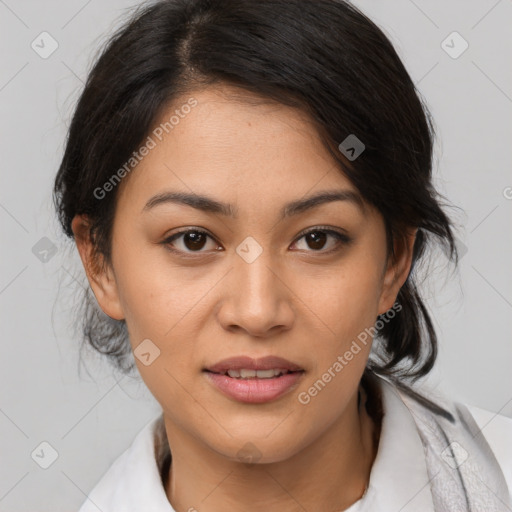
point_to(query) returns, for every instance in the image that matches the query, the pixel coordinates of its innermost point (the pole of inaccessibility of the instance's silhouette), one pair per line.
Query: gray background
(89, 418)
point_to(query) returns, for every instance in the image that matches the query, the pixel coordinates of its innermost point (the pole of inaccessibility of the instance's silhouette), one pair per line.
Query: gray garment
(463, 471)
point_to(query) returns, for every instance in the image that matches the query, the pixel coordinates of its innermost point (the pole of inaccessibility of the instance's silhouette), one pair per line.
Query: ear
(101, 277)
(396, 271)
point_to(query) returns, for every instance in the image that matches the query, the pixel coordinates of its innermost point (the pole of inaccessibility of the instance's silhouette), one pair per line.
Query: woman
(249, 186)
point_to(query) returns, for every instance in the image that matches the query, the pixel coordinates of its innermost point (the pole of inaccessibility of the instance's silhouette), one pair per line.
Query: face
(259, 278)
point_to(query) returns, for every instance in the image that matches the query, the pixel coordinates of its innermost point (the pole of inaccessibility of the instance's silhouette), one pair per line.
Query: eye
(192, 240)
(316, 239)
(195, 239)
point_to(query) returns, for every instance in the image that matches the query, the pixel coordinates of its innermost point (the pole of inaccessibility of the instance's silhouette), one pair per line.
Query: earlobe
(397, 271)
(101, 277)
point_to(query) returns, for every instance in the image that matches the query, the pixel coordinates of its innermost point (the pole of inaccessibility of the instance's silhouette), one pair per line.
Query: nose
(256, 298)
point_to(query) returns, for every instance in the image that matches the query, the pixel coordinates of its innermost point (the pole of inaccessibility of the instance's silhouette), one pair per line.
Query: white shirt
(398, 478)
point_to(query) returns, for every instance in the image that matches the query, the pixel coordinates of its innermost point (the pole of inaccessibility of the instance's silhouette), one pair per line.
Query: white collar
(133, 482)
(398, 480)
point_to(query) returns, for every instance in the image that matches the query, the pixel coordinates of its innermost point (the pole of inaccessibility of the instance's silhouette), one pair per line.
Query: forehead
(231, 142)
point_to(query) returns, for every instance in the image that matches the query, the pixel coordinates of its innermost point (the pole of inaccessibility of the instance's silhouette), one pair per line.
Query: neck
(331, 473)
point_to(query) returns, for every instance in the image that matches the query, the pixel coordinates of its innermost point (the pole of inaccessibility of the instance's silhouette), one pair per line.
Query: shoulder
(133, 481)
(440, 419)
(497, 430)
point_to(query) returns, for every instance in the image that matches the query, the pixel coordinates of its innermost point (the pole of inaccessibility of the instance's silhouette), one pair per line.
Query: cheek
(347, 307)
(151, 290)
(347, 301)
(168, 307)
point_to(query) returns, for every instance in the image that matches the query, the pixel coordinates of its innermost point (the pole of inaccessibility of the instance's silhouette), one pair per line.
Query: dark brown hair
(324, 57)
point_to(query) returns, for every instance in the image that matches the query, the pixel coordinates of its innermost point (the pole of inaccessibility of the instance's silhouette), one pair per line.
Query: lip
(254, 390)
(264, 363)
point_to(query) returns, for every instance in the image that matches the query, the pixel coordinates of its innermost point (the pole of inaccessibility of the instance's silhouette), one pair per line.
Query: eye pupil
(192, 240)
(318, 239)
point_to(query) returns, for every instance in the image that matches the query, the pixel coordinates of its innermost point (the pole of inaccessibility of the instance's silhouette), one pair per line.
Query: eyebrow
(210, 205)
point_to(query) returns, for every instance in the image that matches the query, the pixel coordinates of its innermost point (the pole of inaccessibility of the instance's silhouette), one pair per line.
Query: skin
(294, 300)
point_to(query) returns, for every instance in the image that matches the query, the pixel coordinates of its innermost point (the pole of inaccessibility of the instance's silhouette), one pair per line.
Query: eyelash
(342, 239)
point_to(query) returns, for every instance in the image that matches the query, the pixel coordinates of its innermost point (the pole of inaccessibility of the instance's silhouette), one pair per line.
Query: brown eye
(316, 239)
(192, 240)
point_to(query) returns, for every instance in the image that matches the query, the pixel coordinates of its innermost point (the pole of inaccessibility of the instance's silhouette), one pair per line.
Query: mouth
(249, 374)
(254, 381)
(247, 367)
(254, 386)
